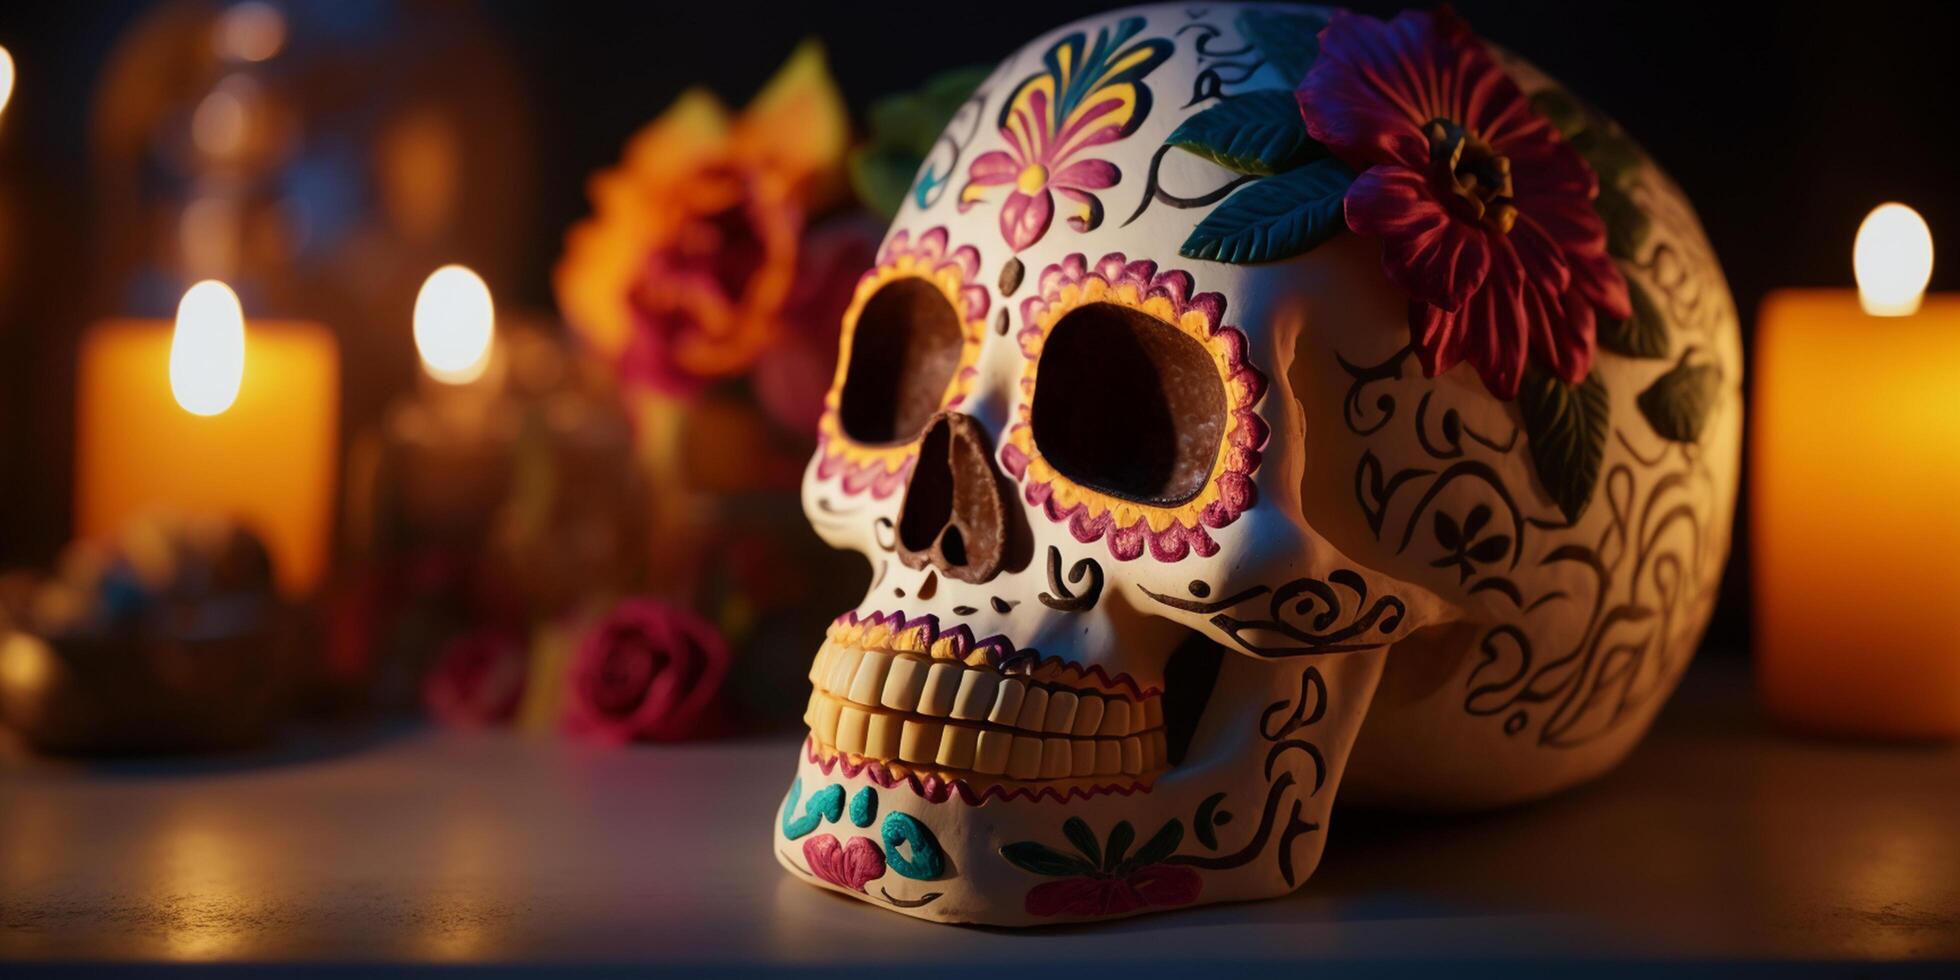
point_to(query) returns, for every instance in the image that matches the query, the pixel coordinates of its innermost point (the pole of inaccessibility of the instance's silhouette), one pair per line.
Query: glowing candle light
(1856, 457)
(455, 325)
(1892, 260)
(211, 415)
(6, 78)
(207, 349)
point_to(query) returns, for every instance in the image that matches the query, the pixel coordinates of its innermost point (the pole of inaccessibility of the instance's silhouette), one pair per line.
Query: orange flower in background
(685, 270)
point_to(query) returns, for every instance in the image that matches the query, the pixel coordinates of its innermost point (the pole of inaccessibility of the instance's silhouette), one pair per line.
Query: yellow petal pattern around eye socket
(1168, 532)
(881, 469)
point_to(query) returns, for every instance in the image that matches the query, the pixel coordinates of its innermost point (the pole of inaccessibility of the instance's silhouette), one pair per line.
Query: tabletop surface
(1719, 840)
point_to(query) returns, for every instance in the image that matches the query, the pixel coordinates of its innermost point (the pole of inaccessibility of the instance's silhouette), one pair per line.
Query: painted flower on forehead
(1484, 212)
(1086, 95)
(688, 270)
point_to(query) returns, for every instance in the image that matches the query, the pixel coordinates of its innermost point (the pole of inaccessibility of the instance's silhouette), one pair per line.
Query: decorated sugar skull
(1252, 404)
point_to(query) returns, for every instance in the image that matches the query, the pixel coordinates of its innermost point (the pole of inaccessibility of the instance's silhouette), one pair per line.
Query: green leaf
(1678, 402)
(1041, 859)
(1627, 226)
(1160, 846)
(1289, 40)
(1084, 840)
(1644, 334)
(1120, 838)
(901, 130)
(1274, 218)
(1560, 109)
(1566, 425)
(1256, 133)
(881, 178)
(1612, 156)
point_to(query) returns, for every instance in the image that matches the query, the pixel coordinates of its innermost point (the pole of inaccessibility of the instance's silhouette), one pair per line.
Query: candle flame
(207, 353)
(455, 322)
(6, 77)
(1893, 260)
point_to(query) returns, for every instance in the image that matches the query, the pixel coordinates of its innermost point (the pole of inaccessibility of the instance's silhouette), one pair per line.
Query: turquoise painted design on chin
(864, 807)
(826, 804)
(927, 861)
(910, 849)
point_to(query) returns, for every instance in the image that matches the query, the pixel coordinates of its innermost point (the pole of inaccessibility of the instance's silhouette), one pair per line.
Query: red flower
(477, 680)
(850, 865)
(1484, 211)
(792, 376)
(648, 671)
(1156, 884)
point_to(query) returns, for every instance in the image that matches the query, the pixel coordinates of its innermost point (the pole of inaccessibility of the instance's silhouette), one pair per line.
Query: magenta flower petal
(995, 167)
(851, 865)
(1166, 884)
(1500, 345)
(1367, 88)
(1024, 218)
(1088, 175)
(1436, 258)
(1501, 270)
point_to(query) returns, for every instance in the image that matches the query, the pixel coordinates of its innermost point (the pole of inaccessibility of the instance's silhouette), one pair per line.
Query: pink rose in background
(477, 680)
(1484, 212)
(648, 671)
(850, 865)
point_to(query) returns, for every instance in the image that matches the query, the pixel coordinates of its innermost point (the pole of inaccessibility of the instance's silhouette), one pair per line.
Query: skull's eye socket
(1129, 405)
(904, 350)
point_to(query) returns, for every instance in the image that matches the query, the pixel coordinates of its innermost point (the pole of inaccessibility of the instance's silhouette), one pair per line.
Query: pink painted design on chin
(851, 865)
(933, 789)
(1158, 885)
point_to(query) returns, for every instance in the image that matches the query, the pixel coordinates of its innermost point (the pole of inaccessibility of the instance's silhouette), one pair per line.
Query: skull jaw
(1250, 804)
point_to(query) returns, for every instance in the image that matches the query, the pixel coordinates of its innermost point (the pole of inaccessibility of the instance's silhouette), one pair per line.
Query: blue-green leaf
(901, 131)
(1561, 110)
(1274, 218)
(1644, 334)
(1678, 402)
(1038, 858)
(1078, 833)
(1565, 428)
(1627, 224)
(1160, 846)
(1289, 40)
(1255, 133)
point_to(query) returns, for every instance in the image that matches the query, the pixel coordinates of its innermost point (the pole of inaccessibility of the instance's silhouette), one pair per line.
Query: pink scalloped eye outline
(882, 469)
(1169, 532)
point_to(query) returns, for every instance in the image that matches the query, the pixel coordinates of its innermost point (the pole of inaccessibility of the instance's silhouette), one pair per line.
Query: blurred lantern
(311, 155)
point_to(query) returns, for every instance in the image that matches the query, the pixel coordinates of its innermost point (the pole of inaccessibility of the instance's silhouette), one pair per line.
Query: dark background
(1785, 124)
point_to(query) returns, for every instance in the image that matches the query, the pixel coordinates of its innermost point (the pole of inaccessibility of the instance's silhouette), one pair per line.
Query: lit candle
(6, 78)
(212, 417)
(455, 325)
(1856, 499)
(448, 448)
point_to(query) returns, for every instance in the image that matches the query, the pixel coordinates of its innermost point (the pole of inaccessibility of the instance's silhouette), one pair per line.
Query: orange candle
(1856, 496)
(212, 417)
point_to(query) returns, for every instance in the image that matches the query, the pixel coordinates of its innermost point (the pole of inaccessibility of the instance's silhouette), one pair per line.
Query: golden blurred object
(245, 425)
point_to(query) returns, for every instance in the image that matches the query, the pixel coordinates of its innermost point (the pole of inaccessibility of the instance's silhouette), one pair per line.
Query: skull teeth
(956, 717)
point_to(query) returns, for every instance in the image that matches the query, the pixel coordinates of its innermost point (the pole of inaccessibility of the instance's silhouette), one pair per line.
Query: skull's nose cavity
(955, 516)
